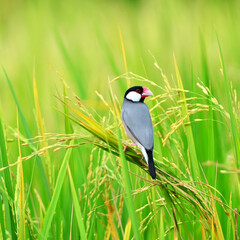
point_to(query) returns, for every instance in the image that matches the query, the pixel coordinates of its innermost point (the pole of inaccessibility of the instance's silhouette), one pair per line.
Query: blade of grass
(21, 229)
(77, 209)
(124, 55)
(37, 106)
(230, 223)
(127, 230)
(3, 228)
(203, 231)
(2, 221)
(27, 131)
(10, 219)
(4, 162)
(161, 225)
(52, 206)
(230, 107)
(72, 230)
(127, 187)
(193, 155)
(68, 126)
(217, 225)
(69, 130)
(76, 72)
(115, 105)
(40, 123)
(126, 177)
(109, 56)
(107, 51)
(206, 78)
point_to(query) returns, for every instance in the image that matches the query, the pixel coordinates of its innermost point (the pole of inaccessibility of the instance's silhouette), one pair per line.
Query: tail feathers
(151, 166)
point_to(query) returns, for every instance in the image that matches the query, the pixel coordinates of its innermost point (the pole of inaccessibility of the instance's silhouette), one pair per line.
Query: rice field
(65, 67)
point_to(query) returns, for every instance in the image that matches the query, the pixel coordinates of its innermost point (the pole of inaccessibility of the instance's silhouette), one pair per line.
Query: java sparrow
(138, 124)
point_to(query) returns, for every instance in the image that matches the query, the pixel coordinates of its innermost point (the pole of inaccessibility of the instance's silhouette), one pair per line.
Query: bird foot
(133, 144)
(125, 147)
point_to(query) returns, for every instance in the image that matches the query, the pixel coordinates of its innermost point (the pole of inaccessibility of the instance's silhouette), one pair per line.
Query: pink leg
(125, 147)
(133, 144)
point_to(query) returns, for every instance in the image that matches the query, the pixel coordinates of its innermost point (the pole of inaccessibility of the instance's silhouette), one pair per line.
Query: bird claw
(125, 147)
(133, 144)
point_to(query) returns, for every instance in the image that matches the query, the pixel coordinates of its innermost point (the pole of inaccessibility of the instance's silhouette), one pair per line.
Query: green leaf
(230, 108)
(52, 206)
(128, 190)
(193, 155)
(8, 182)
(127, 230)
(77, 207)
(28, 133)
(77, 72)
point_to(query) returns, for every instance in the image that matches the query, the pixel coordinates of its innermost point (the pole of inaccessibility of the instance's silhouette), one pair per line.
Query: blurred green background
(92, 51)
(80, 40)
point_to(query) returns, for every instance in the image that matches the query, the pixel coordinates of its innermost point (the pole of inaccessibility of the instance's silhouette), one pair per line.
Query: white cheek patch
(133, 96)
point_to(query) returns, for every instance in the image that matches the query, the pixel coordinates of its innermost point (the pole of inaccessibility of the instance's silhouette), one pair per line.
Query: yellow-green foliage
(65, 68)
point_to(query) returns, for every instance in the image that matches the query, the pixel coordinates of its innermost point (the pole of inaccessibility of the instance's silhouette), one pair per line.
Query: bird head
(137, 94)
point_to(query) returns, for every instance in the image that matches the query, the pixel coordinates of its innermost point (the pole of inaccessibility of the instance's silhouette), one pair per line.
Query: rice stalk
(28, 133)
(40, 123)
(77, 207)
(21, 200)
(174, 180)
(124, 55)
(52, 206)
(171, 186)
(230, 108)
(194, 161)
(6, 180)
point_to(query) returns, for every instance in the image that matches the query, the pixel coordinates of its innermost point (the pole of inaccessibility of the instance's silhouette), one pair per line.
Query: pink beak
(146, 92)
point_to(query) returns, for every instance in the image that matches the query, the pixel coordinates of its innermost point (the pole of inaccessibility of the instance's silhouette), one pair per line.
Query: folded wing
(137, 119)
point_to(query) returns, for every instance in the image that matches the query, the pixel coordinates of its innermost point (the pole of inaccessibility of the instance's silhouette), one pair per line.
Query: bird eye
(138, 91)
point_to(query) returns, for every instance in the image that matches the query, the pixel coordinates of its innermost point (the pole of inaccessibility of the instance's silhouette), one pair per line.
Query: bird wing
(137, 119)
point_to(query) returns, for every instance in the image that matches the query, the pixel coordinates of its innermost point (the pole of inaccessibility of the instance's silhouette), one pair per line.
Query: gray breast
(137, 119)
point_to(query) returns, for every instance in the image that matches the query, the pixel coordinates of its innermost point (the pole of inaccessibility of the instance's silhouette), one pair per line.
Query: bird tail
(151, 166)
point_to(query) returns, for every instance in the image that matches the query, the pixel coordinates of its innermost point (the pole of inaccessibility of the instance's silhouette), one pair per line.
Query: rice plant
(64, 173)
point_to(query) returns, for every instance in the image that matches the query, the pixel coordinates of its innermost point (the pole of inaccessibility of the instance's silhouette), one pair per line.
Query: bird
(138, 124)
